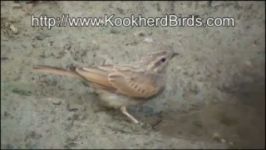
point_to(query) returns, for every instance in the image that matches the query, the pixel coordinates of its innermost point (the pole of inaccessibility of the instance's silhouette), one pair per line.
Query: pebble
(114, 31)
(71, 107)
(139, 33)
(216, 136)
(13, 29)
(148, 40)
(223, 140)
(74, 106)
(248, 63)
(55, 101)
(41, 36)
(231, 143)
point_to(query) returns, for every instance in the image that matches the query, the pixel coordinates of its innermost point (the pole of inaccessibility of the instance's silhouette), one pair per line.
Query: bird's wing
(97, 76)
(133, 84)
(123, 80)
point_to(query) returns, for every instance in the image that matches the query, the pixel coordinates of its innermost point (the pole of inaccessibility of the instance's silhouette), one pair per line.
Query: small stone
(13, 29)
(216, 136)
(74, 106)
(248, 63)
(56, 101)
(114, 31)
(38, 37)
(41, 36)
(140, 33)
(231, 143)
(148, 40)
(223, 140)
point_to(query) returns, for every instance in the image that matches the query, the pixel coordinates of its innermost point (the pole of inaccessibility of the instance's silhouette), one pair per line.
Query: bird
(122, 85)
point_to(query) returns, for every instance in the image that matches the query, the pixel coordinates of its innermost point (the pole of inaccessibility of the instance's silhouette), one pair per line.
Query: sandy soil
(214, 96)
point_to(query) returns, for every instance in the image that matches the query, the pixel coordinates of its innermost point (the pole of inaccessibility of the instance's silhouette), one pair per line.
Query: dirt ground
(214, 96)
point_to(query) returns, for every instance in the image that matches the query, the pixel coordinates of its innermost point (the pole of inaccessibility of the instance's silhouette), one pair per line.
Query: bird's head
(156, 62)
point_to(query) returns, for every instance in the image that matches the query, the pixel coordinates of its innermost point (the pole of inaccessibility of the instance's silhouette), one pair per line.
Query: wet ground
(215, 93)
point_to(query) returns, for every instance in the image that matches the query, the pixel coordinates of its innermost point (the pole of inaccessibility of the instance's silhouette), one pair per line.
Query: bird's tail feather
(56, 71)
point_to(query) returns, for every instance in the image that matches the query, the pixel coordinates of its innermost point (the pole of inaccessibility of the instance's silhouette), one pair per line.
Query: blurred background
(215, 93)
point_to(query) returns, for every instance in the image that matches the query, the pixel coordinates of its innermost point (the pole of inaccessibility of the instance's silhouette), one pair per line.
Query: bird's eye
(163, 60)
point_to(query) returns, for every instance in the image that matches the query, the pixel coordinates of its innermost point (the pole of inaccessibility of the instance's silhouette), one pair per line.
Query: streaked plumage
(121, 86)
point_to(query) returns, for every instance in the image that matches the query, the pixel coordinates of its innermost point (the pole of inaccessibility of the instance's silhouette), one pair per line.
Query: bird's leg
(124, 111)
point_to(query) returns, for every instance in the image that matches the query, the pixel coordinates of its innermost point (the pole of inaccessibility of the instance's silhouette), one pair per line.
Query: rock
(114, 31)
(41, 36)
(148, 40)
(13, 29)
(74, 105)
(223, 140)
(231, 143)
(140, 33)
(55, 101)
(248, 63)
(216, 136)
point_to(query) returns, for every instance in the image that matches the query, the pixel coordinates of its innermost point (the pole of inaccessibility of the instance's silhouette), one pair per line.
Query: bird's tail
(56, 71)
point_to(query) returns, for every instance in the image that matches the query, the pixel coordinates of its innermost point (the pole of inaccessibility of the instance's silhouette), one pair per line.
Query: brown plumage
(121, 86)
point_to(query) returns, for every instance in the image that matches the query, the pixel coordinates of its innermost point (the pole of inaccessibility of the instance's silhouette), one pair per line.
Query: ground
(215, 93)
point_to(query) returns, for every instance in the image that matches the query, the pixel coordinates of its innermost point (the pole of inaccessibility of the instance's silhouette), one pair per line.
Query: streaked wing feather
(96, 76)
(133, 84)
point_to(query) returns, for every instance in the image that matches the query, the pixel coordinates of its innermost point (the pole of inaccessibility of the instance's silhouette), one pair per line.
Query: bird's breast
(116, 101)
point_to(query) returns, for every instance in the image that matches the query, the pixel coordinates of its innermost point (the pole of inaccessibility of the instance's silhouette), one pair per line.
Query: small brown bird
(119, 86)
